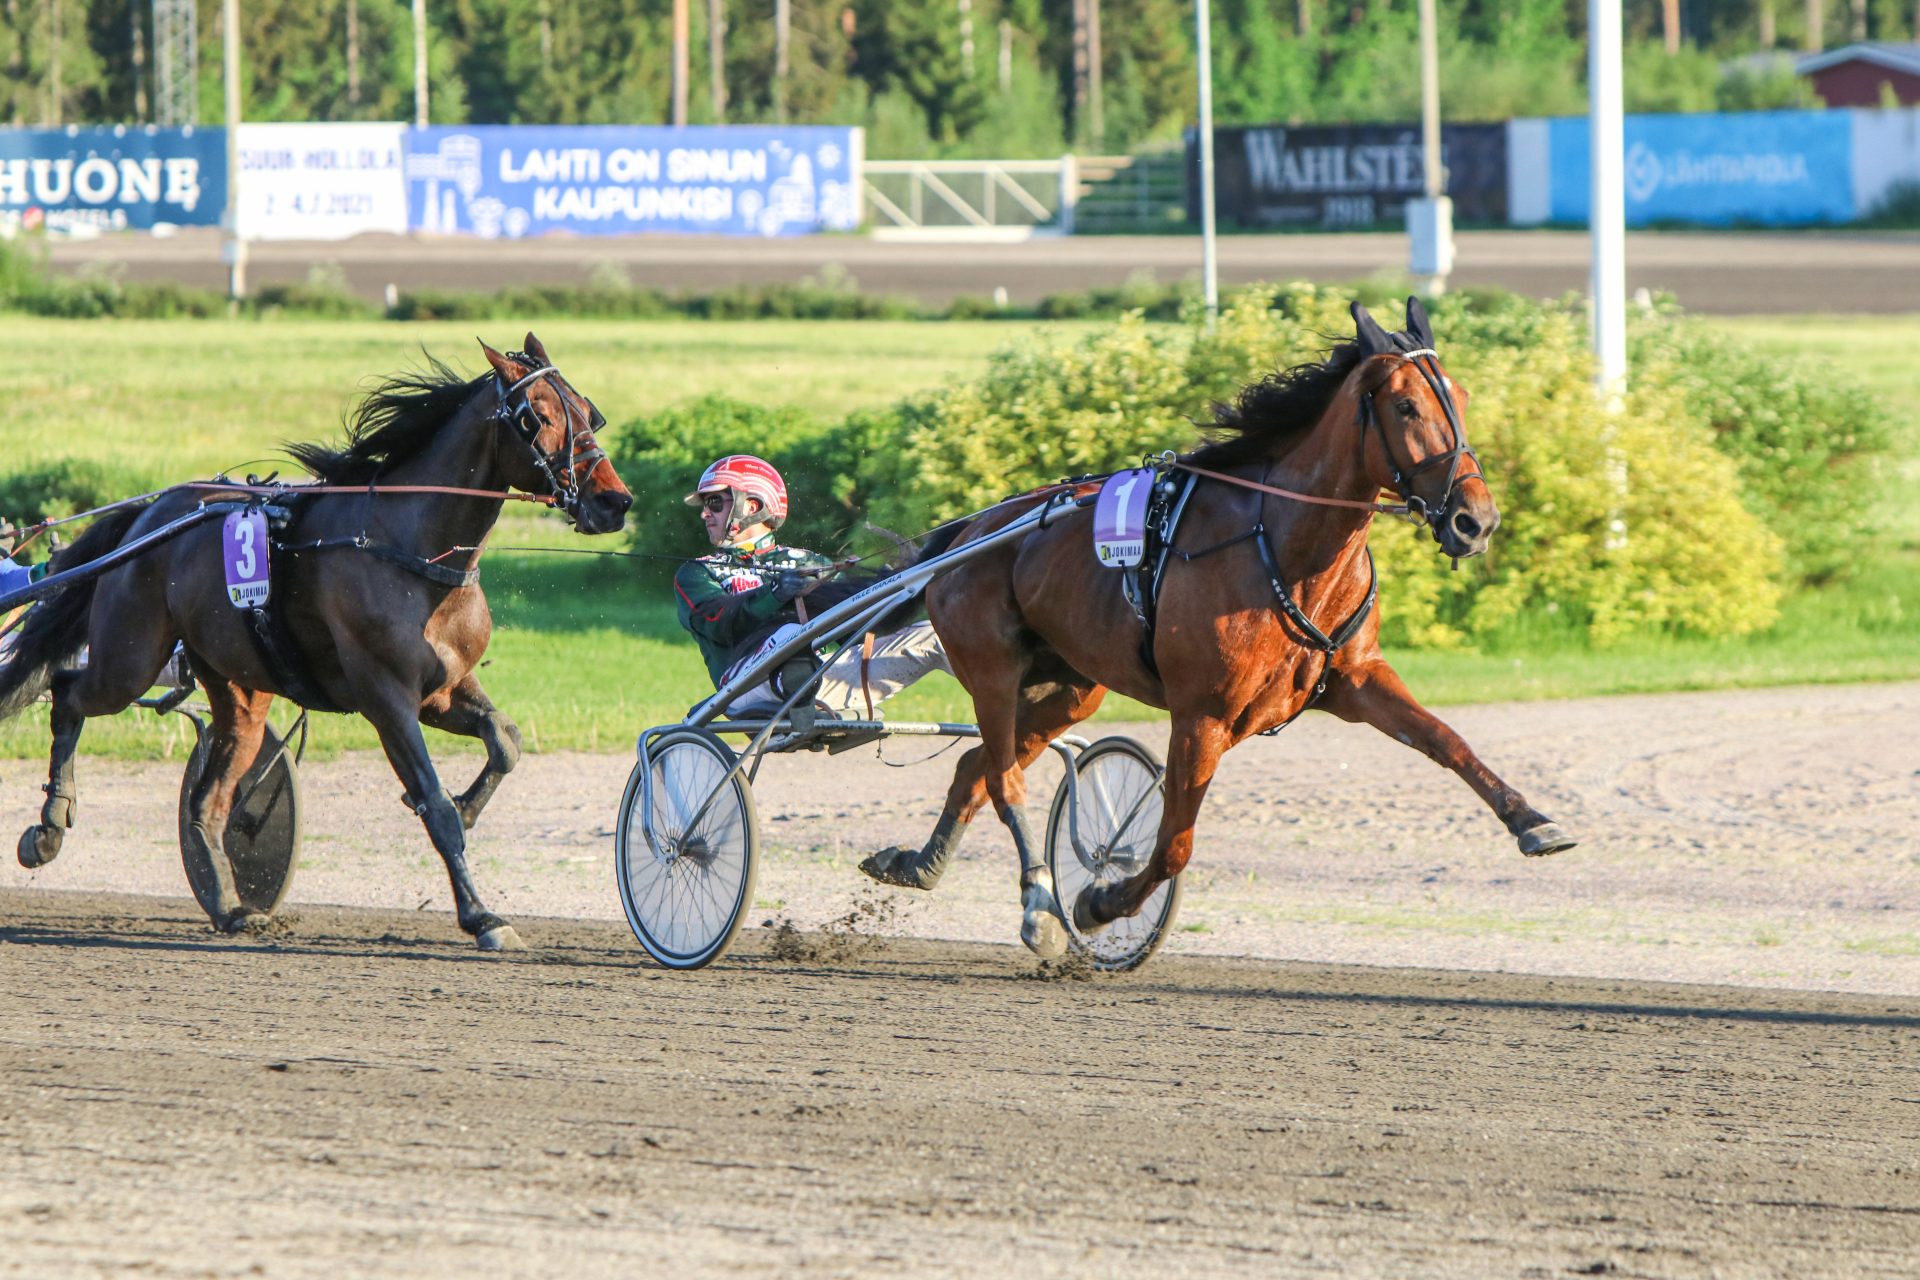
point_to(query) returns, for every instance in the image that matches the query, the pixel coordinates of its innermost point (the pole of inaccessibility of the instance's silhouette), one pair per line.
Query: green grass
(1875, 351)
(170, 400)
(586, 652)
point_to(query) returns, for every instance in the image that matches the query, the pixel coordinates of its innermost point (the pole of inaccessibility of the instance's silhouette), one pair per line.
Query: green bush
(323, 295)
(1898, 209)
(1810, 450)
(1607, 527)
(55, 489)
(1692, 559)
(165, 300)
(662, 455)
(21, 271)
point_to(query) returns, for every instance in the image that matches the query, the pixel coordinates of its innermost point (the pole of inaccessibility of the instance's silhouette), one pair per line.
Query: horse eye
(1405, 406)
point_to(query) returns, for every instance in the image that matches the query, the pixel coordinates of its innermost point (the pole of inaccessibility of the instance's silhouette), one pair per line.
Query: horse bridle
(563, 474)
(1427, 361)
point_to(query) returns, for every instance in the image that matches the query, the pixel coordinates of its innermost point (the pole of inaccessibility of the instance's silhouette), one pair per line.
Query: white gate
(971, 199)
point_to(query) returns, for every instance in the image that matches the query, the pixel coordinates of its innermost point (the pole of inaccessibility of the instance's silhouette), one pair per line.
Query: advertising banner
(1334, 176)
(599, 180)
(321, 181)
(110, 179)
(1767, 168)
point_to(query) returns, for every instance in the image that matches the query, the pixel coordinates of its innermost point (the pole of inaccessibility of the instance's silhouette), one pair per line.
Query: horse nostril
(1466, 526)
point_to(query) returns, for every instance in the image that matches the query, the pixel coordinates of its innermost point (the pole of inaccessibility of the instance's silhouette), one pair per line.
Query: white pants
(899, 658)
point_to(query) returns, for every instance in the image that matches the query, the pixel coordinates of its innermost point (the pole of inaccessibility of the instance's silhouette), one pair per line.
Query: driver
(740, 602)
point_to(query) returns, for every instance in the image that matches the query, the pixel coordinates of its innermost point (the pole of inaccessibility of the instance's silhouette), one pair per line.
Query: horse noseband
(563, 475)
(1418, 509)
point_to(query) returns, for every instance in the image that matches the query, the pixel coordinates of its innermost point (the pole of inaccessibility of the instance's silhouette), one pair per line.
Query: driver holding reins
(740, 601)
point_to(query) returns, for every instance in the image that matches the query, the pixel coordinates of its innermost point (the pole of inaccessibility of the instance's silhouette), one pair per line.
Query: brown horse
(371, 619)
(1265, 609)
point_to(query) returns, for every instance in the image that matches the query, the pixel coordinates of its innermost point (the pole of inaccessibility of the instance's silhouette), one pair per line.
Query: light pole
(1607, 224)
(420, 63)
(232, 247)
(1430, 219)
(680, 62)
(1607, 212)
(1209, 257)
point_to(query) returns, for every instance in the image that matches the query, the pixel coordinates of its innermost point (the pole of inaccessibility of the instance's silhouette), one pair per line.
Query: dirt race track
(363, 1094)
(366, 1096)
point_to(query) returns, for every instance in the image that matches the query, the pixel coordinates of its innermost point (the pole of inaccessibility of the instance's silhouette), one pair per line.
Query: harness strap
(866, 664)
(280, 652)
(1327, 644)
(1318, 639)
(445, 575)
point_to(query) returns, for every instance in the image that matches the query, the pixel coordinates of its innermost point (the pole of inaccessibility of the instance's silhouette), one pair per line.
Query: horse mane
(1275, 413)
(393, 422)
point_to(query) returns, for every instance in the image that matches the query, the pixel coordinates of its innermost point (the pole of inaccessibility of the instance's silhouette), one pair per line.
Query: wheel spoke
(1120, 808)
(684, 907)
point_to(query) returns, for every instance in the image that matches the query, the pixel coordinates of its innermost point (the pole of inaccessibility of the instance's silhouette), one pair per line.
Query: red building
(1853, 76)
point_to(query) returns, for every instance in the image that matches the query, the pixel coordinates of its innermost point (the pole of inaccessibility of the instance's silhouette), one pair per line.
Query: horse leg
(115, 675)
(394, 714)
(1374, 694)
(40, 843)
(1045, 713)
(239, 723)
(471, 714)
(922, 868)
(1192, 756)
(996, 700)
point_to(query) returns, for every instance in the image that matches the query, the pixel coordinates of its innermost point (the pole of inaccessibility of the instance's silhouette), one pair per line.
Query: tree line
(925, 77)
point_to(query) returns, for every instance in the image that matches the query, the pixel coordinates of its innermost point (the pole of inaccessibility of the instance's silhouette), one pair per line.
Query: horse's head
(1415, 436)
(551, 447)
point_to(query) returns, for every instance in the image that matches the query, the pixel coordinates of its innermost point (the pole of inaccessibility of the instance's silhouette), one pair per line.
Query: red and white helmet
(742, 474)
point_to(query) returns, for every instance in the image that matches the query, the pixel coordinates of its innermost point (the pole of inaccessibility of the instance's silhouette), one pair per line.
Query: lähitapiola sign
(1333, 176)
(111, 179)
(1771, 168)
(517, 180)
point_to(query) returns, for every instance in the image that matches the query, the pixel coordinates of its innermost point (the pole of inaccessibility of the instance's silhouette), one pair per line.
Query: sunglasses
(716, 502)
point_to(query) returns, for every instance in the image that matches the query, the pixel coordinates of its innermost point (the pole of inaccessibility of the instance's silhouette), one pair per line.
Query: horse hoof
(1040, 926)
(1538, 842)
(500, 937)
(885, 866)
(39, 845)
(1083, 918)
(247, 921)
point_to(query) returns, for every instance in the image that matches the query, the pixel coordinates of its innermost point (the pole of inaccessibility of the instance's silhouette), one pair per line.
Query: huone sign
(111, 179)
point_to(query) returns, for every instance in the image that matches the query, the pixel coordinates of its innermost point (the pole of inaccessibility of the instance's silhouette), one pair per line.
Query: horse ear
(534, 349)
(1418, 325)
(1373, 339)
(508, 369)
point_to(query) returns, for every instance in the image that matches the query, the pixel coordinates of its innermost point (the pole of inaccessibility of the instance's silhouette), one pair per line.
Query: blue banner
(601, 180)
(1773, 168)
(111, 179)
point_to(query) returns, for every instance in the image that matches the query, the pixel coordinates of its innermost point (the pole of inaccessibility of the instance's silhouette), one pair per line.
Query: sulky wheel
(1117, 783)
(263, 830)
(686, 880)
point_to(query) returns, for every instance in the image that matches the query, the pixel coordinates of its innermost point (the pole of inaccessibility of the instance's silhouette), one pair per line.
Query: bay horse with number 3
(373, 621)
(1266, 608)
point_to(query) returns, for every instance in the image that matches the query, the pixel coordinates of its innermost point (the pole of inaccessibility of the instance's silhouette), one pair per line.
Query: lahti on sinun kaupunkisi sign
(1331, 176)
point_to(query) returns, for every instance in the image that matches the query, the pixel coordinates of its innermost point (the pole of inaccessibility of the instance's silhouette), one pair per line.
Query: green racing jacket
(726, 599)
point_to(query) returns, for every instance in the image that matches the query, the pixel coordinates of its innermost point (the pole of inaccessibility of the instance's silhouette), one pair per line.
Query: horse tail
(56, 628)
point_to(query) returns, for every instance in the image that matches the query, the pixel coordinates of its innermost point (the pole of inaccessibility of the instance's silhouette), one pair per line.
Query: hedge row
(27, 285)
(1726, 479)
